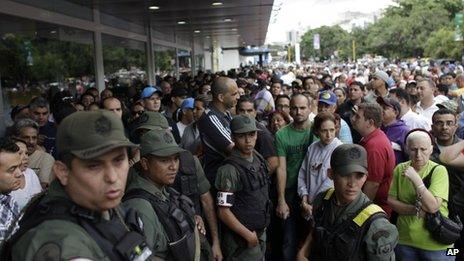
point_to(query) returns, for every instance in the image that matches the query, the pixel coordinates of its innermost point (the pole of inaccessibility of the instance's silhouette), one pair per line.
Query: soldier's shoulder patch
(384, 249)
(49, 251)
(381, 233)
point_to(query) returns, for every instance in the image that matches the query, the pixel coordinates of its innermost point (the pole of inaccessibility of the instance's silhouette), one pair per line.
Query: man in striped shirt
(214, 125)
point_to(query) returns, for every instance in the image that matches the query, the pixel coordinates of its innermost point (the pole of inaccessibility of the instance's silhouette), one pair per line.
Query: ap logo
(452, 251)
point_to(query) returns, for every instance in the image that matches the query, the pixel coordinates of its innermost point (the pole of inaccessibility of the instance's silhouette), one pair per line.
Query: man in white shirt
(412, 119)
(187, 115)
(426, 105)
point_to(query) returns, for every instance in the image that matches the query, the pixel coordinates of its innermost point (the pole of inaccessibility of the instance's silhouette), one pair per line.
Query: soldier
(243, 195)
(190, 181)
(168, 216)
(80, 216)
(347, 225)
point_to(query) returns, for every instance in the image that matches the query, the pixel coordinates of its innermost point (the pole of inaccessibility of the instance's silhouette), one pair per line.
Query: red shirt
(380, 165)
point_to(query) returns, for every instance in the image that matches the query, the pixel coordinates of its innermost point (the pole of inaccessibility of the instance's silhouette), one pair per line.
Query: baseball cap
(16, 109)
(297, 83)
(160, 143)
(149, 91)
(150, 120)
(187, 103)
(390, 103)
(243, 124)
(176, 92)
(349, 158)
(382, 75)
(89, 134)
(450, 105)
(327, 97)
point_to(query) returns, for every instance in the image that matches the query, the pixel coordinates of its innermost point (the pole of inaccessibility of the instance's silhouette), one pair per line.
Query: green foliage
(441, 44)
(404, 30)
(117, 57)
(163, 59)
(409, 28)
(51, 61)
(332, 39)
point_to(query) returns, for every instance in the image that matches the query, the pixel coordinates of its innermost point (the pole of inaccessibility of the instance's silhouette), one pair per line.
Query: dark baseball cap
(159, 143)
(243, 124)
(392, 103)
(177, 92)
(90, 134)
(16, 109)
(327, 97)
(349, 158)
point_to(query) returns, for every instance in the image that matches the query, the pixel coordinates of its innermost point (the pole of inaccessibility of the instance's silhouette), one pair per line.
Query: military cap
(159, 143)
(243, 124)
(89, 134)
(450, 105)
(349, 158)
(150, 120)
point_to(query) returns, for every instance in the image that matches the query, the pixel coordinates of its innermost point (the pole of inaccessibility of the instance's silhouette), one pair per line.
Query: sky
(290, 15)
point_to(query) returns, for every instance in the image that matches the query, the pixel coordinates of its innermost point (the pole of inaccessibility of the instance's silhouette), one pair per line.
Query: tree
(404, 29)
(441, 44)
(332, 38)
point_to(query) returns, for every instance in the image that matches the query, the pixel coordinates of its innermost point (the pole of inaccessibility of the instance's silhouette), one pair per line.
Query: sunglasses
(134, 113)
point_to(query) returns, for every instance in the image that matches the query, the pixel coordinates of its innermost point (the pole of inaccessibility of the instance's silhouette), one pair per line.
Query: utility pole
(354, 50)
(289, 53)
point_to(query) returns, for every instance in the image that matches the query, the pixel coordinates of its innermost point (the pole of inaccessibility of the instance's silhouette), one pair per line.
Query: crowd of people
(321, 162)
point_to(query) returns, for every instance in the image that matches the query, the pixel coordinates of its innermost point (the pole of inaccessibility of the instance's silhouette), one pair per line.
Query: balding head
(114, 105)
(300, 97)
(225, 92)
(221, 86)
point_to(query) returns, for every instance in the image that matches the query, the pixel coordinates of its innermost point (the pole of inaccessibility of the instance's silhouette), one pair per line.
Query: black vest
(177, 217)
(112, 236)
(186, 182)
(252, 206)
(345, 240)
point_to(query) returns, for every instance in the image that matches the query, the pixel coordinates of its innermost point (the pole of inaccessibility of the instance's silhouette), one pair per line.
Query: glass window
(165, 60)
(119, 22)
(74, 8)
(200, 62)
(125, 62)
(184, 61)
(36, 57)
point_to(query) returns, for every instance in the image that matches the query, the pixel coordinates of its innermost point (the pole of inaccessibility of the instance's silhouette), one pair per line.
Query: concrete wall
(208, 64)
(230, 60)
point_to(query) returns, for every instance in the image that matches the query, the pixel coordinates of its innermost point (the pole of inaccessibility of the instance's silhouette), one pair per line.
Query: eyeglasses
(443, 123)
(134, 113)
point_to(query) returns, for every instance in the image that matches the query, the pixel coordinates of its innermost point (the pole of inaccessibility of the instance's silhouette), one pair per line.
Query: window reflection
(125, 62)
(165, 60)
(39, 58)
